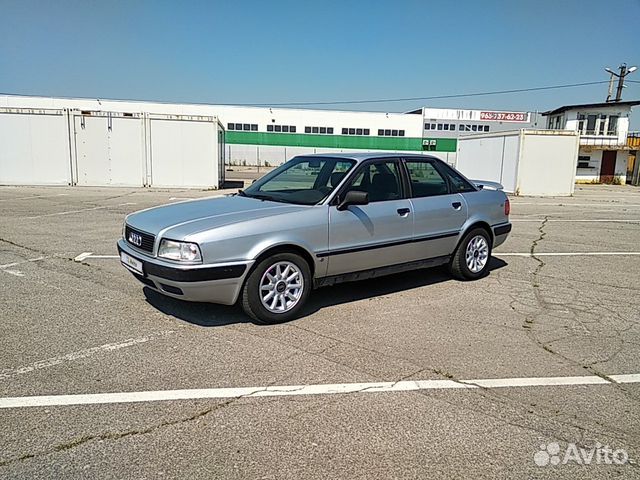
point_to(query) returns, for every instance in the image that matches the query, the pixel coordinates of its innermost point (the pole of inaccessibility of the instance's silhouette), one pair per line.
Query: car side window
(458, 183)
(381, 180)
(426, 181)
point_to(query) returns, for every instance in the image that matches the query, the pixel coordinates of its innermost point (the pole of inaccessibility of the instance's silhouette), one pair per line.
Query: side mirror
(353, 197)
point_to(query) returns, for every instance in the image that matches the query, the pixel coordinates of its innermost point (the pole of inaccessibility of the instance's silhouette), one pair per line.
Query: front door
(608, 166)
(375, 235)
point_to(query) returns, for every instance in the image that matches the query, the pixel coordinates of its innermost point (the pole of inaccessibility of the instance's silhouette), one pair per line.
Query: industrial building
(75, 141)
(270, 136)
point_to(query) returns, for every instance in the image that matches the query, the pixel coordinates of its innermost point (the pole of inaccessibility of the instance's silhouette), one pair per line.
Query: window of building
(285, 128)
(474, 128)
(365, 131)
(486, 128)
(307, 129)
(558, 122)
(401, 133)
(446, 126)
(581, 119)
(269, 128)
(330, 130)
(613, 125)
(358, 131)
(439, 126)
(602, 122)
(460, 127)
(277, 128)
(292, 129)
(352, 131)
(246, 127)
(230, 126)
(394, 133)
(427, 126)
(433, 126)
(591, 124)
(238, 126)
(583, 161)
(315, 129)
(452, 126)
(387, 133)
(345, 131)
(323, 129)
(380, 132)
(254, 127)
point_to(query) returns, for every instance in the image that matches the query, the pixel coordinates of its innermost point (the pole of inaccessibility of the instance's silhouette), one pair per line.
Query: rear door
(439, 210)
(363, 237)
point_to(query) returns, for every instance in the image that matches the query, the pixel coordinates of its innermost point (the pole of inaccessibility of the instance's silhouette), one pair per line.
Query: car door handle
(403, 212)
(456, 205)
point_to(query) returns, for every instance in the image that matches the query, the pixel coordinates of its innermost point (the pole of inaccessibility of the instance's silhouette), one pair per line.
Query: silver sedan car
(317, 220)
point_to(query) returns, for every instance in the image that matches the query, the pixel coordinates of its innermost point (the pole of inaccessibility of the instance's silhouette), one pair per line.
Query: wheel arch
(287, 248)
(476, 224)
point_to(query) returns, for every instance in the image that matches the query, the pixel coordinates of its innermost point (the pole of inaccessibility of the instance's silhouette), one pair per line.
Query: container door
(109, 150)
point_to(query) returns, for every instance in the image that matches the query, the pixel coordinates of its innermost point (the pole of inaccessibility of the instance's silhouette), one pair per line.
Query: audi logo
(135, 238)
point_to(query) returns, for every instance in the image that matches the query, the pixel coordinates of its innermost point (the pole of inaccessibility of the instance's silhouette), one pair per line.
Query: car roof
(362, 156)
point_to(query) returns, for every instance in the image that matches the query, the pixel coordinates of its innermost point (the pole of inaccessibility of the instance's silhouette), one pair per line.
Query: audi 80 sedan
(317, 220)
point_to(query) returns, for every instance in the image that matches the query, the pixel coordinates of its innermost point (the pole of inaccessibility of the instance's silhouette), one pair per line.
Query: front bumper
(216, 283)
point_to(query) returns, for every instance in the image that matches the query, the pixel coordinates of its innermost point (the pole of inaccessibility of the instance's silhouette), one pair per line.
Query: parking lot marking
(87, 352)
(573, 220)
(569, 204)
(82, 256)
(16, 273)
(564, 254)
(295, 390)
(68, 212)
(6, 267)
(9, 265)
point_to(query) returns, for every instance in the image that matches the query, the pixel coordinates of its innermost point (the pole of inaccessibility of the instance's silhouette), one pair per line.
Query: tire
(265, 275)
(462, 269)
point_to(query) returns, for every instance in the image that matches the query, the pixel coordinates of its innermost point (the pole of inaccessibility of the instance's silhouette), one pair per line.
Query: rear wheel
(471, 259)
(277, 288)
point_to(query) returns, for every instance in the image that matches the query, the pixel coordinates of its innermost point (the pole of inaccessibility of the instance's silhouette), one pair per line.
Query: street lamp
(624, 71)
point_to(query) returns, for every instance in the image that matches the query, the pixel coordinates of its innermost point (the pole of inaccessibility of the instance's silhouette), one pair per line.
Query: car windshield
(302, 180)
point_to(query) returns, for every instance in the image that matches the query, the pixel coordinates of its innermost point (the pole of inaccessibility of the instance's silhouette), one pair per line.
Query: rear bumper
(500, 233)
(216, 283)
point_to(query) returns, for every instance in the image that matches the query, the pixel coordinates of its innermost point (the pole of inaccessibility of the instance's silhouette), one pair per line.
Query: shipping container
(525, 162)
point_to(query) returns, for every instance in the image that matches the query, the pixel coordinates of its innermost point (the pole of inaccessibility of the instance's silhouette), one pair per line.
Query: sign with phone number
(505, 116)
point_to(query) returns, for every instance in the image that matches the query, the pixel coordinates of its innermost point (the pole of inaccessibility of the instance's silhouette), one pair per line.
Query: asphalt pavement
(409, 376)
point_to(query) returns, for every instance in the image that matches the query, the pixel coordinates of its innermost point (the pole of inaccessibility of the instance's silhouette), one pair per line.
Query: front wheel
(471, 259)
(277, 288)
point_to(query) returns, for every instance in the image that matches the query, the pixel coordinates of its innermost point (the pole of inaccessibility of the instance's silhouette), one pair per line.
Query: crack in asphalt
(129, 433)
(545, 306)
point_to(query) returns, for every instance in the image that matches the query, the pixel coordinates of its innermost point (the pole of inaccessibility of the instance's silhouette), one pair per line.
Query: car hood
(178, 220)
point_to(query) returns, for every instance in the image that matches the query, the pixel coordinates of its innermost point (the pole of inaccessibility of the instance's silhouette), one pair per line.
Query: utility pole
(624, 71)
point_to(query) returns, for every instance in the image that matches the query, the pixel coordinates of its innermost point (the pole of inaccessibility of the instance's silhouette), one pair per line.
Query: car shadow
(212, 315)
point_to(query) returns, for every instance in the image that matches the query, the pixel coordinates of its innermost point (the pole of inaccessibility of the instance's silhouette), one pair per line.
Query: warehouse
(270, 136)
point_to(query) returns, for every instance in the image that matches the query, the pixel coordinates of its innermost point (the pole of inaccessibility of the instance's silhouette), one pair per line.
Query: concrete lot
(87, 327)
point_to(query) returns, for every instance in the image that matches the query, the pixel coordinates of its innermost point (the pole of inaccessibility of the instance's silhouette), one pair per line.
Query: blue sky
(287, 51)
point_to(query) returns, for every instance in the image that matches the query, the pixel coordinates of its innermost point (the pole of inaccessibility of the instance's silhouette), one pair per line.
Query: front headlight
(179, 251)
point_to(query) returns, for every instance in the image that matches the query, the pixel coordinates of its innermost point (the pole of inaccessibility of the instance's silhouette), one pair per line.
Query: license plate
(131, 263)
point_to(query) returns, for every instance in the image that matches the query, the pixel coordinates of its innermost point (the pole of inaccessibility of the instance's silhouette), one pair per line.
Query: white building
(603, 129)
(271, 136)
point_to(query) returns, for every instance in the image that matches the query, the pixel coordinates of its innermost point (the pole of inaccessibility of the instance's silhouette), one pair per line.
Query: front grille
(147, 240)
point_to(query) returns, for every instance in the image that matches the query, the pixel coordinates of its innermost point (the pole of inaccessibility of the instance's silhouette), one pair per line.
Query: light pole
(624, 71)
